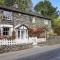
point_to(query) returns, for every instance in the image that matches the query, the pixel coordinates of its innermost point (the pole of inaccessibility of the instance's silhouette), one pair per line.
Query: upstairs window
(33, 20)
(7, 15)
(46, 22)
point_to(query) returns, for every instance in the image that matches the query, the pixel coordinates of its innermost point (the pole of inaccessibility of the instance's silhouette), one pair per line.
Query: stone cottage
(24, 26)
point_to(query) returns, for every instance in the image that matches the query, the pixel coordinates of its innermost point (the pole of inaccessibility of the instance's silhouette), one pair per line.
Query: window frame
(5, 31)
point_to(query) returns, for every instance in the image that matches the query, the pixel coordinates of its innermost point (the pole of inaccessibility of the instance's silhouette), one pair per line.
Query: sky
(55, 3)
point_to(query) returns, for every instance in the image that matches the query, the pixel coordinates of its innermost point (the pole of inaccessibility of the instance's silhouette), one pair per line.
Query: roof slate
(23, 12)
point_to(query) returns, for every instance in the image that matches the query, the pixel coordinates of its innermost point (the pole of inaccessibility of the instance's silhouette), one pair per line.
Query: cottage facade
(27, 27)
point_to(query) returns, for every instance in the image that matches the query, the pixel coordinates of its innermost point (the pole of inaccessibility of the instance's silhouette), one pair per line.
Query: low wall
(36, 40)
(53, 39)
(40, 40)
(5, 49)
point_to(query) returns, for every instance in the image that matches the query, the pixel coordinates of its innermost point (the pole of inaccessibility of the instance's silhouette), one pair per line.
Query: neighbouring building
(28, 27)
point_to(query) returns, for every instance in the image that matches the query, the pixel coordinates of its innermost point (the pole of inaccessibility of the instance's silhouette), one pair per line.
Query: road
(37, 53)
(50, 55)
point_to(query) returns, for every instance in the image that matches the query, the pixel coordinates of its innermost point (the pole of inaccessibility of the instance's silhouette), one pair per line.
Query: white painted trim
(23, 27)
(17, 26)
(5, 25)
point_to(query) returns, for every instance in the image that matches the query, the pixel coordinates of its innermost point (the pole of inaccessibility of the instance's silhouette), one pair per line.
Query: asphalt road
(36, 53)
(50, 55)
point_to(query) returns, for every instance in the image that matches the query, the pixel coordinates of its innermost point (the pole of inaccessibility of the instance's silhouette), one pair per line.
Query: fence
(7, 42)
(33, 40)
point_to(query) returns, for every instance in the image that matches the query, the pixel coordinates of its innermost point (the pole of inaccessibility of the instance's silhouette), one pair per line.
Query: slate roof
(22, 12)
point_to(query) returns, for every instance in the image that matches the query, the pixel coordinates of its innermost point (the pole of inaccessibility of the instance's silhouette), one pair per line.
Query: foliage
(56, 25)
(22, 4)
(1, 2)
(35, 31)
(9, 2)
(56, 22)
(46, 9)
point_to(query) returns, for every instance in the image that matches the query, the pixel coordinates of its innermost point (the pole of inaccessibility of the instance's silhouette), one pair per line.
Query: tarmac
(27, 52)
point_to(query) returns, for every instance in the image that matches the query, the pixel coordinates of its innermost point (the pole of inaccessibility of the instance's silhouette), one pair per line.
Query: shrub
(35, 31)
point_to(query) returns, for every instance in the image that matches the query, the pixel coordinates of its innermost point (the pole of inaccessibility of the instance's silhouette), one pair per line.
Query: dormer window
(7, 15)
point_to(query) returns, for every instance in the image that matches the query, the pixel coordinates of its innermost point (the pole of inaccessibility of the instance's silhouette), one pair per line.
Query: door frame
(25, 29)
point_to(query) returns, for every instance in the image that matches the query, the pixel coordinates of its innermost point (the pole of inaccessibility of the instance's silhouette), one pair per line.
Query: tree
(9, 2)
(46, 9)
(56, 25)
(1, 2)
(22, 4)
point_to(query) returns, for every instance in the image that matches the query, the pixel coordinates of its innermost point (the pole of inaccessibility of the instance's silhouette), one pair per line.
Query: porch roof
(18, 26)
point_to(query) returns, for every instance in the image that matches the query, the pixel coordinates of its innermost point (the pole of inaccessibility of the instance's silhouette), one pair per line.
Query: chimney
(15, 5)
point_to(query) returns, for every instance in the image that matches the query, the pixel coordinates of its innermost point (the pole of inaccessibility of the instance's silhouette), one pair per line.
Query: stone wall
(19, 18)
(27, 20)
(53, 40)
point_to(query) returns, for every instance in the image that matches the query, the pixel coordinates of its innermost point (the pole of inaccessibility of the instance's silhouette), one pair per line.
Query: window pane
(22, 34)
(18, 33)
(5, 31)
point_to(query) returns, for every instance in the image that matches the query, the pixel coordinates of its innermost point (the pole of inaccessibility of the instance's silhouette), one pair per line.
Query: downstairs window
(6, 31)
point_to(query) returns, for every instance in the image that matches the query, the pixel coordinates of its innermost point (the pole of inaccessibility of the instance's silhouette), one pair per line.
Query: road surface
(37, 53)
(50, 55)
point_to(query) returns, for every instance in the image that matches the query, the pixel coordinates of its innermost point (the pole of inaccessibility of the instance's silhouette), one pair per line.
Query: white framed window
(5, 31)
(33, 20)
(46, 22)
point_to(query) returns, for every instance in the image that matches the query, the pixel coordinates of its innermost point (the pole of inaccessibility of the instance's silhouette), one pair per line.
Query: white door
(23, 34)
